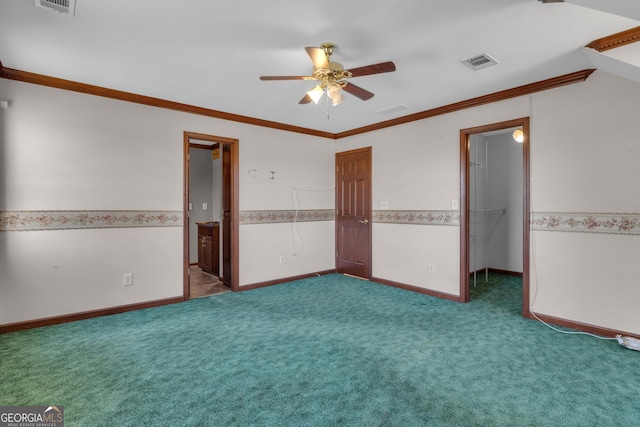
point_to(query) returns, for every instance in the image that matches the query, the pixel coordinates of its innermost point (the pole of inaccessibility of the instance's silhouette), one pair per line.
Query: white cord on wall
(628, 342)
(298, 243)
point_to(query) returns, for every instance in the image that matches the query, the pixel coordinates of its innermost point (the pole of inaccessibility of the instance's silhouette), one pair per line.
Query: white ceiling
(211, 53)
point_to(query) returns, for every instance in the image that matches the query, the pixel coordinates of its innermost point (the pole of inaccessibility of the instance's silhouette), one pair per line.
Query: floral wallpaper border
(587, 222)
(73, 220)
(417, 217)
(70, 220)
(576, 222)
(386, 216)
(280, 216)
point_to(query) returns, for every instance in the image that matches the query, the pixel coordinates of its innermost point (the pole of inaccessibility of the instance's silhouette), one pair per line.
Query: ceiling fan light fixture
(316, 93)
(334, 92)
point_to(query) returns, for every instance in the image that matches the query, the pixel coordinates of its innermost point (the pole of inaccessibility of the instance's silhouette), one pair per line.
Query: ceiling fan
(331, 76)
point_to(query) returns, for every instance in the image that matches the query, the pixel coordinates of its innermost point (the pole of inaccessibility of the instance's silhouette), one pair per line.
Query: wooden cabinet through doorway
(208, 247)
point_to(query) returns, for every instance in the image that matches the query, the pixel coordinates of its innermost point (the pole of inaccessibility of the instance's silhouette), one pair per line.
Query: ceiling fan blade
(305, 100)
(286, 78)
(383, 67)
(357, 91)
(318, 57)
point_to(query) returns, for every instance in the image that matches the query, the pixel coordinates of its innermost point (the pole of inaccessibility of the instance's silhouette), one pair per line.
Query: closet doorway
(210, 213)
(494, 205)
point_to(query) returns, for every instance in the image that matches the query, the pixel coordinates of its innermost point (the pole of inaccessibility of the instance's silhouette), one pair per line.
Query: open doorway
(211, 218)
(494, 208)
(205, 215)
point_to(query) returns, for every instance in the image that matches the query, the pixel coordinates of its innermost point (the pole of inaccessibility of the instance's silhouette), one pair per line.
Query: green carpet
(326, 351)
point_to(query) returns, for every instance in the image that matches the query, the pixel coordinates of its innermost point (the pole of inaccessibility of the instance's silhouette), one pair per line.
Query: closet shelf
(481, 217)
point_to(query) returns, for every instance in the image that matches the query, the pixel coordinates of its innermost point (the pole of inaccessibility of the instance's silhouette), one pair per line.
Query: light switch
(384, 205)
(204, 206)
(190, 206)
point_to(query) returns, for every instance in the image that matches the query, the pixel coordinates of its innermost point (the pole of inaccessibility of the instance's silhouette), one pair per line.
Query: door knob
(364, 221)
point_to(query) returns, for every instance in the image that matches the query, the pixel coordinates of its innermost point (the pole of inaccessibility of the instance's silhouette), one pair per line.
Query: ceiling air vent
(393, 109)
(68, 7)
(481, 61)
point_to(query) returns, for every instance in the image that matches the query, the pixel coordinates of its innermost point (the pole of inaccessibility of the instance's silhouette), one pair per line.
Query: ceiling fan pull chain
(327, 105)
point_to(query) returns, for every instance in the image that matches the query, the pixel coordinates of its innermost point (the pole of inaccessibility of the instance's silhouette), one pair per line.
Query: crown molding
(39, 79)
(578, 76)
(616, 40)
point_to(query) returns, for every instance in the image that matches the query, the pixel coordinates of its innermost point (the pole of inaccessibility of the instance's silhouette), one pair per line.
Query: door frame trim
(465, 138)
(235, 208)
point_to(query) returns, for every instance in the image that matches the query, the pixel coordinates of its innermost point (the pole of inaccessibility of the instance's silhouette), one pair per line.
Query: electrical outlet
(432, 268)
(127, 279)
(204, 206)
(281, 259)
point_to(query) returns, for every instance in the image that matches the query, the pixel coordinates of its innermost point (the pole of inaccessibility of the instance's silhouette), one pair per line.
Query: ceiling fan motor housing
(328, 48)
(335, 72)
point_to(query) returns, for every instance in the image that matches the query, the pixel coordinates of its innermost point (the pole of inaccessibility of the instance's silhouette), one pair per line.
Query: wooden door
(353, 212)
(226, 215)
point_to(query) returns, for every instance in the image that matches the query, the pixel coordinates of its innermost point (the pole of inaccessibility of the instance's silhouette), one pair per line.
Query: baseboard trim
(284, 280)
(579, 326)
(412, 288)
(49, 321)
(498, 271)
(506, 272)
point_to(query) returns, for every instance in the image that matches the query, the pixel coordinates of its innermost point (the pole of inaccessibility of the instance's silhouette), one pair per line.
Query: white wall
(585, 154)
(69, 151)
(64, 150)
(303, 178)
(416, 167)
(49, 273)
(514, 204)
(505, 229)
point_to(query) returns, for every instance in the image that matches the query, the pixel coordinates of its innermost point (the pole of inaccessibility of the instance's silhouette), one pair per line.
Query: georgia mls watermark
(31, 416)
